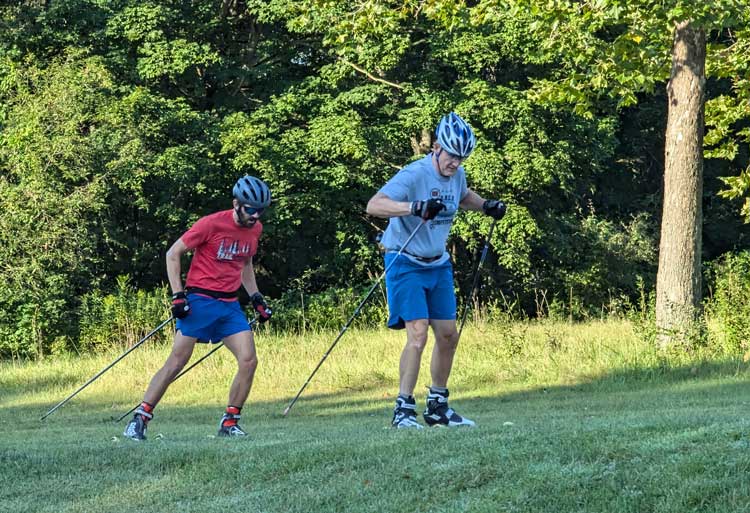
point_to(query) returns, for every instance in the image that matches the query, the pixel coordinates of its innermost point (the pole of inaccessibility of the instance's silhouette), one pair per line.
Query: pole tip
(286, 411)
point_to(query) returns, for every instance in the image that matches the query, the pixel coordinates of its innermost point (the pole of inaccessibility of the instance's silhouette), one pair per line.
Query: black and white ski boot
(438, 413)
(405, 413)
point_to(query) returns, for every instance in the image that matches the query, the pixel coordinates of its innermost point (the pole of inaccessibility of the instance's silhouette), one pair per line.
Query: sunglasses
(454, 157)
(251, 210)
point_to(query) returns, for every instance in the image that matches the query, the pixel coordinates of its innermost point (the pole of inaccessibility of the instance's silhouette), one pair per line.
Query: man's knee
(416, 337)
(181, 353)
(248, 365)
(173, 366)
(447, 340)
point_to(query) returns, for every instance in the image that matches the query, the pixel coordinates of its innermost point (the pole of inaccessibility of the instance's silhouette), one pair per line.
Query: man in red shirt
(207, 309)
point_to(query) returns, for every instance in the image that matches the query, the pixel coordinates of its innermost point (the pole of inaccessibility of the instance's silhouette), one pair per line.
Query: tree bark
(422, 143)
(678, 280)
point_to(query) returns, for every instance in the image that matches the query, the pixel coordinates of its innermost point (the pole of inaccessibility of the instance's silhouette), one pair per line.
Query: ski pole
(476, 278)
(184, 371)
(356, 312)
(105, 369)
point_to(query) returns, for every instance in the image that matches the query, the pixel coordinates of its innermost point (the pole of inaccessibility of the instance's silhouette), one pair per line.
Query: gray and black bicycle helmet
(455, 135)
(252, 191)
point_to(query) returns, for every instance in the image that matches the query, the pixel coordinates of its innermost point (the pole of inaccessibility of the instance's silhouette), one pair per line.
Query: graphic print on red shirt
(221, 249)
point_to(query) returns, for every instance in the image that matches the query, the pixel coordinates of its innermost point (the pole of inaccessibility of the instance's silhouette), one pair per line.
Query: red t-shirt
(221, 249)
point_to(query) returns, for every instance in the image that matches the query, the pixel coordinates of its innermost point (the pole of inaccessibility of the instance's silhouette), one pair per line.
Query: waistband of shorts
(426, 260)
(216, 294)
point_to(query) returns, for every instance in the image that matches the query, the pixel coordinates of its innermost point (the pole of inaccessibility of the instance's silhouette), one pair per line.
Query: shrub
(728, 307)
(123, 317)
(297, 311)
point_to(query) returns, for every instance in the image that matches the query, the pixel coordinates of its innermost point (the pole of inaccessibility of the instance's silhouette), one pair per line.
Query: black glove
(494, 208)
(427, 209)
(180, 306)
(260, 306)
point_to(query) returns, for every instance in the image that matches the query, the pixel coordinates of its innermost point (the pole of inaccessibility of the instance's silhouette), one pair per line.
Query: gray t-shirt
(421, 181)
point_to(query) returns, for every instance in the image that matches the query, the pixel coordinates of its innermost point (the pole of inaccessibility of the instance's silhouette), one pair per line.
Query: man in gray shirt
(428, 191)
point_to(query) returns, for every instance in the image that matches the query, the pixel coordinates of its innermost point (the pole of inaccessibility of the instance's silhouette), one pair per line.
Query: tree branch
(371, 76)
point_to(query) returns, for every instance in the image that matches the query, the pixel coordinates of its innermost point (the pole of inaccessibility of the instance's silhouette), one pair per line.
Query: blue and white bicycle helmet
(455, 135)
(252, 191)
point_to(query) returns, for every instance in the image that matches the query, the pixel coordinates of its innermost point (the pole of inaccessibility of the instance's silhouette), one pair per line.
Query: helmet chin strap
(440, 167)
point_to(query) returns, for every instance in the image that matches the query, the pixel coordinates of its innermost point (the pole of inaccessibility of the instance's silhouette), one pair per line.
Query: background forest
(122, 122)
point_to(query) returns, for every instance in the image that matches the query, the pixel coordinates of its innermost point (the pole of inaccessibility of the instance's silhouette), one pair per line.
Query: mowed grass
(571, 417)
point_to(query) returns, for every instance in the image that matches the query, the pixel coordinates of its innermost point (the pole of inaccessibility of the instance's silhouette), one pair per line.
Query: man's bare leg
(411, 356)
(182, 349)
(242, 346)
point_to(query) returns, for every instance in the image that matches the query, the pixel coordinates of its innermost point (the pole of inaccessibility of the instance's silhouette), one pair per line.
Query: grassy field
(571, 418)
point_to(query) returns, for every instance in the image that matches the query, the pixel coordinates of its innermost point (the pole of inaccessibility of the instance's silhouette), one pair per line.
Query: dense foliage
(122, 122)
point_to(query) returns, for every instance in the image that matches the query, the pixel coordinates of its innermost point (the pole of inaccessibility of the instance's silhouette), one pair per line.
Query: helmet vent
(252, 191)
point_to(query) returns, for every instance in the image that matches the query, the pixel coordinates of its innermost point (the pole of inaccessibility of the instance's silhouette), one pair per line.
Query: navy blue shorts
(418, 291)
(211, 320)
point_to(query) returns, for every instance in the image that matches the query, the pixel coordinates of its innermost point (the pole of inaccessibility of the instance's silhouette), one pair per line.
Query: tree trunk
(678, 280)
(422, 145)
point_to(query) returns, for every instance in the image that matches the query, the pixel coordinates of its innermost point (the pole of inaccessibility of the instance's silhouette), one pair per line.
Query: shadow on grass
(625, 429)
(69, 381)
(663, 383)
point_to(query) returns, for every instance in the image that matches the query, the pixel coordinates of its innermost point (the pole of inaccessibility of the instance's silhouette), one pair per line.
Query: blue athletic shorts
(418, 291)
(211, 320)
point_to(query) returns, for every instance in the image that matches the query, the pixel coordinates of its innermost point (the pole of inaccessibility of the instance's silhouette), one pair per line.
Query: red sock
(148, 408)
(231, 412)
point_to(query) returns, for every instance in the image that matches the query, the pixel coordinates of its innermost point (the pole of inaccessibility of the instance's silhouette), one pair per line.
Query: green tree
(51, 198)
(134, 118)
(386, 73)
(615, 49)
